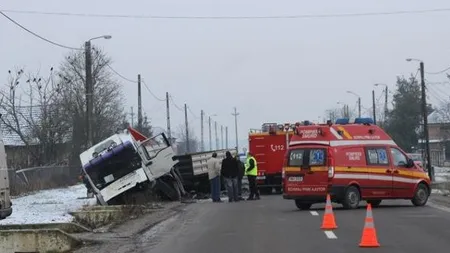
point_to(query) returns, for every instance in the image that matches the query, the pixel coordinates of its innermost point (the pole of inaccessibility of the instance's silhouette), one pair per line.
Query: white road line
(314, 213)
(330, 234)
(440, 207)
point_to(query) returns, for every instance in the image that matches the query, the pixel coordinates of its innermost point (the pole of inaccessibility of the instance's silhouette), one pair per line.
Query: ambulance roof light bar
(342, 121)
(364, 121)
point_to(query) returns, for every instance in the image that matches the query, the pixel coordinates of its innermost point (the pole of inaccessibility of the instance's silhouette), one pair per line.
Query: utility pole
(425, 121)
(226, 137)
(221, 136)
(235, 114)
(139, 104)
(210, 138)
(169, 132)
(187, 128)
(202, 141)
(359, 107)
(89, 93)
(217, 138)
(386, 103)
(374, 108)
(132, 117)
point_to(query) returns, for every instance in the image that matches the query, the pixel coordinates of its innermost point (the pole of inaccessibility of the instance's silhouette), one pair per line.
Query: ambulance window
(398, 157)
(377, 156)
(296, 157)
(317, 157)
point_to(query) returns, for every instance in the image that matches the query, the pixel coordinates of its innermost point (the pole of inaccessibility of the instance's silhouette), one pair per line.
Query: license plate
(295, 179)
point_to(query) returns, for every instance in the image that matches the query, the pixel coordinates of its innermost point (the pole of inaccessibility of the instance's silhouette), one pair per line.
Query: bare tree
(108, 112)
(181, 143)
(30, 112)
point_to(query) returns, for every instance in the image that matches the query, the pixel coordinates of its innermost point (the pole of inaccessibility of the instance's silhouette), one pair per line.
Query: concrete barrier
(37, 240)
(97, 216)
(71, 228)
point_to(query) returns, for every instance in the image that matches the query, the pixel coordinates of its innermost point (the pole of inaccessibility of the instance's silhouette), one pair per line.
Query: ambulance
(351, 162)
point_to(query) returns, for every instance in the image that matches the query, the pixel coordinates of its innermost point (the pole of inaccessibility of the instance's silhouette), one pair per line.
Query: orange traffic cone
(369, 235)
(328, 222)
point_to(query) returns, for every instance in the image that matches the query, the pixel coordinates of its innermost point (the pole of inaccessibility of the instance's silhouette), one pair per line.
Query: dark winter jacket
(241, 168)
(229, 166)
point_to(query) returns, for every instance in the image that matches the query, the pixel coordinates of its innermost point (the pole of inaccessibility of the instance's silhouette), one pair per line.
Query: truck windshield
(113, 165)
(307, 157)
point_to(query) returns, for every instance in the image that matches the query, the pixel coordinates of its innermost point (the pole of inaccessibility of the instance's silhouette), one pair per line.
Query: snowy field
(442, 174)
(48, 206)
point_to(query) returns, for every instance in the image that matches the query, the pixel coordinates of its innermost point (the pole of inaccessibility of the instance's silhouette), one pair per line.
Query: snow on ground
(48, 206)
(442, 174)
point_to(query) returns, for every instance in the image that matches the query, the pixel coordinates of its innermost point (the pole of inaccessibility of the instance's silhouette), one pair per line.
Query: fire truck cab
(351, 162)
(268, 145)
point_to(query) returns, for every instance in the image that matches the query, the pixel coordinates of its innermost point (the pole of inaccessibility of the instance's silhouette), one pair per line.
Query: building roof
(11, 138)
(26, 114)
(439, 117)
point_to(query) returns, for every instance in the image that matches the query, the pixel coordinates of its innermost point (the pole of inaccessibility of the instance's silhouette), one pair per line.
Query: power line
(37, 35)
(193, 114)
(303, 16)
(439, 72)
(173, 102)
(153, 94)
(121, 76)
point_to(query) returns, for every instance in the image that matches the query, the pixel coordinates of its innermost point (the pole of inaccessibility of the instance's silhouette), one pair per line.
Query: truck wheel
(169, 189)
(421, 196)
(352, 198)
(302, 205)
(374, 202)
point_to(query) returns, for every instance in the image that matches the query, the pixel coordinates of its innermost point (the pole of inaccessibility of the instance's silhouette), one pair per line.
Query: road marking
(314, 213)
(330, 234)
(440, 207)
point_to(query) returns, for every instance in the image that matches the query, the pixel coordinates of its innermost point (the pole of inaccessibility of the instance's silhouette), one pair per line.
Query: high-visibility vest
(254, 171)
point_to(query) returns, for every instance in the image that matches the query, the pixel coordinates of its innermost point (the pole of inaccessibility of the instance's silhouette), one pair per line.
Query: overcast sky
(272, 70)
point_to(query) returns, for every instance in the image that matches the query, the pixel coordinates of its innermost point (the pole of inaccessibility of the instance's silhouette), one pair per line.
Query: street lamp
(425, 117)
(90, 87)
(359, 101)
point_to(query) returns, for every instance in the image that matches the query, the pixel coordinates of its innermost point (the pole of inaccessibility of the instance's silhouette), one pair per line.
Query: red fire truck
(269, 145)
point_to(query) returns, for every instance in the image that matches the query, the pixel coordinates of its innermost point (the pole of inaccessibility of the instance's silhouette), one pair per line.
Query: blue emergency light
(306, 123)
(342, 121)
(364, 121)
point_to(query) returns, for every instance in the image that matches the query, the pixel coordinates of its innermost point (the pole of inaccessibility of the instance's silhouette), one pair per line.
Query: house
(439, 135)
(19, 155)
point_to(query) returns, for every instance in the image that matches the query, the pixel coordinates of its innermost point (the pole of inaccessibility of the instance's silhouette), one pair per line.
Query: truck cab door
(158, 157)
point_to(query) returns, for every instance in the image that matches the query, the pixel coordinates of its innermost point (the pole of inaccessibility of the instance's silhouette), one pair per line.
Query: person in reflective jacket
(251, 170)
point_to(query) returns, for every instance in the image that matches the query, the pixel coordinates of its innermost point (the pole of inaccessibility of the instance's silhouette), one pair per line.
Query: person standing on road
(213, 165)
(230, 174)
(251, 170)
(241, 174)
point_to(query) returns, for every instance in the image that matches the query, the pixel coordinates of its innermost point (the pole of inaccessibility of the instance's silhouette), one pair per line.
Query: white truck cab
(124, 161)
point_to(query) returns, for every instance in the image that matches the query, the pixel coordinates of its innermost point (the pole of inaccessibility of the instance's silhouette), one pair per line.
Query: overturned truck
(129, 167)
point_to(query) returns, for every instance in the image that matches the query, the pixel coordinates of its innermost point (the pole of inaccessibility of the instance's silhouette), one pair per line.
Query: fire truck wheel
(421, 196)
(374, 202)
(302, 205)
(352, 198)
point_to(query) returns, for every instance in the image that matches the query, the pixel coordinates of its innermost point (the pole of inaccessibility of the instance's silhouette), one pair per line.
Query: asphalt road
(275, 225)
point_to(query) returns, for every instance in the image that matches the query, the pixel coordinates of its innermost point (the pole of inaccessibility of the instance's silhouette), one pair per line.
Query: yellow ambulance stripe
(346, 134)
(414, 174)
